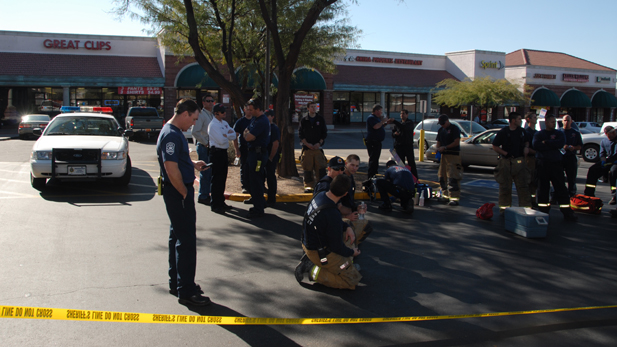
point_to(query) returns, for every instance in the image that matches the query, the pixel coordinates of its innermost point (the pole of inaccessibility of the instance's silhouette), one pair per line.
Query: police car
(84, 144)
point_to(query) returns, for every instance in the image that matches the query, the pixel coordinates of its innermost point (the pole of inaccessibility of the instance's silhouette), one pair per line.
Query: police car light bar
(95, 109)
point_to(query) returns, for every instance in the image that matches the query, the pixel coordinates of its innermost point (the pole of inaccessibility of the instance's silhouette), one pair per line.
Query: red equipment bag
(587, 204)
(485, 211)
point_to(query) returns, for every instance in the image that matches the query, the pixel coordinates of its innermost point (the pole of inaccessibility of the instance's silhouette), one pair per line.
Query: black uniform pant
(257, 168)
(596, 171)
(570, 167)
(386, 187)
(407, 152)
(374, 152)
(182, 239)
(219, 160)
(552, 172)
(271, 178)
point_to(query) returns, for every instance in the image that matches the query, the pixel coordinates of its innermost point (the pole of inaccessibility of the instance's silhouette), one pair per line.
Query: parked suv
(144, 121)
(431, 126)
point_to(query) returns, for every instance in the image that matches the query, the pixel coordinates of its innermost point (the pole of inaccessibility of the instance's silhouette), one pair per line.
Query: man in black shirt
(336, 166)
(450, 168)
(574, 143)
(530, 158)
(312, 132)
(325, 238)
(512, 145)
(402, 132)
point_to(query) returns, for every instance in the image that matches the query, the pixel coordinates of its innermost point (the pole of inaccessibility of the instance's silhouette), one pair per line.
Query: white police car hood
(106, 143)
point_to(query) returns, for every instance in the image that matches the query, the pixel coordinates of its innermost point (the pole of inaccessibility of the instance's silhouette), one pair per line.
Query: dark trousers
(257, 166)
(374, 151)
(204, 176)
(244, 170)
(406, 152)
(271, 178)
(386, 187)
(552, 172)
(570, 167)
(595, 172)
(182, 239)
(218, 158)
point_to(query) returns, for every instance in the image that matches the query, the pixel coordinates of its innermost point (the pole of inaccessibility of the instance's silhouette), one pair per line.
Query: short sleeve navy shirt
(448, 135)
(239, 127)
(260, 128)
(373, 134)
(275, 135)
(172, 146)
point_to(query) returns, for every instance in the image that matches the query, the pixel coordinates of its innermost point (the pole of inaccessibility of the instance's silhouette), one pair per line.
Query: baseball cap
(269, 113)
(218, 108)
(442, 119)
(336, 163)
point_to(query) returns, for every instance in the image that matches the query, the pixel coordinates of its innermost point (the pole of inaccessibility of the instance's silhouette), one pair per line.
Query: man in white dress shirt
(220, 134)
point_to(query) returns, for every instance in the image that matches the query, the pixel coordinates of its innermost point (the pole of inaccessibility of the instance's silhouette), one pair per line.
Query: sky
(584, 29)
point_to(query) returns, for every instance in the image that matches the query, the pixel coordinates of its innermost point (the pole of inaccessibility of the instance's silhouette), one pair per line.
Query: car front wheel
(591, 153)
(38, 183)
(126, 178)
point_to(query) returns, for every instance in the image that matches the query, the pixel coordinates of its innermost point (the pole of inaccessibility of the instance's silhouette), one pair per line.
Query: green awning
(604, 99)
(307, 79)
(194, 76)
(250, 79)
(575, 98)
(545, 97)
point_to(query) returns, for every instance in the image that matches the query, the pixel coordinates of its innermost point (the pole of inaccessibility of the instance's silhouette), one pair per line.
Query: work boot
(303, 268)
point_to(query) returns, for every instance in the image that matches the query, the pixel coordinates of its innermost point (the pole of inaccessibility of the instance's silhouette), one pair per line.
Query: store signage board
(381, 60)
(567, 77)
(112, 102)
(603, 79)
(302, 100)
(492, 65)
(140, 90)
(545, 76)
(77, 44)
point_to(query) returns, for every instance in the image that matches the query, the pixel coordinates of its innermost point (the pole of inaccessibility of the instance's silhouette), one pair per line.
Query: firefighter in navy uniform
(328, 241)
(512, 145)
(530, 158)
(450, 168)
(549, 144)
(574, 143)
(606, 165)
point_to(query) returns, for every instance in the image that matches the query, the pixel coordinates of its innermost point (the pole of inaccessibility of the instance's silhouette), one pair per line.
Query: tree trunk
(287, 167)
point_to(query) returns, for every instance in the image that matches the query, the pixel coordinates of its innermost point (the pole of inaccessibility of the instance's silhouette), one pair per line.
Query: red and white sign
(140, 90)
(567, 77)
(77, 44)
(302, 100)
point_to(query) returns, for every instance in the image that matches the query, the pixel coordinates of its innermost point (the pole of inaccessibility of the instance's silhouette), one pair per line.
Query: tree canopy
(484, 92)
(227, 35)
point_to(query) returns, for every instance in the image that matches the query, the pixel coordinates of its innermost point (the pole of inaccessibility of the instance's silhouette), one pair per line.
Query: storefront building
(39, 72)
(561, 83)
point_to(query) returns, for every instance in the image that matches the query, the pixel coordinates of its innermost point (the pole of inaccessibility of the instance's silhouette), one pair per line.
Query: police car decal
(170, 148)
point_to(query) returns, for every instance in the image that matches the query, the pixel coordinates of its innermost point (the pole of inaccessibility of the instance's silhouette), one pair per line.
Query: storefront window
(398, 102)
(186, 93)
(355, 108)
(370, 99)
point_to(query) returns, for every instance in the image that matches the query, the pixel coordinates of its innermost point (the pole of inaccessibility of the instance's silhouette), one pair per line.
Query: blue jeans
(182, 240)
(205, 176)
(256, 176)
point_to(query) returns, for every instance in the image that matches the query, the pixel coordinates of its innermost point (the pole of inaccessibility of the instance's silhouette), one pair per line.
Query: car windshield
(36, 118)
(466, 125)
(82, 126)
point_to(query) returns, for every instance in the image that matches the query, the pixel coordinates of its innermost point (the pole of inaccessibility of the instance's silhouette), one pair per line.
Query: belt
(258, 148)
(450, 153)
(218, 149)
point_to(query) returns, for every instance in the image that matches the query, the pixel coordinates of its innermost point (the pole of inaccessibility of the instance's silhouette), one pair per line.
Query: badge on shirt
(317, 122)
(170, 148)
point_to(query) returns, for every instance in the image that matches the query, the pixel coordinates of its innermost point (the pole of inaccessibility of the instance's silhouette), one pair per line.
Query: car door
(479, 150)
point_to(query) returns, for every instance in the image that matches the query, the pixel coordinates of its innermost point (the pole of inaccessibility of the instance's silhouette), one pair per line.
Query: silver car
(476, 150)
(431, 127)
(30, 122)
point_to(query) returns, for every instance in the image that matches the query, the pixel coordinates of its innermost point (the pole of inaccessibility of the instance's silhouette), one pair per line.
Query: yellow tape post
(21, 312)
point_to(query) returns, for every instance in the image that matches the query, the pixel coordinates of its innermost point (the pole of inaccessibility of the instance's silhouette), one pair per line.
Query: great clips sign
(77, 44)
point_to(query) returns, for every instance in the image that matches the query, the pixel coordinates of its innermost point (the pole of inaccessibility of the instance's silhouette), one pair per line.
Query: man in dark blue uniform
(241, 147)
(548, 144)
(574, 143)
(178, 173)
(327, 241)
(398, 182)
(257, 136)
(530, 158)
(336, 165)
(606, 165)
(402, 132)
(375, 134)
(274, 154)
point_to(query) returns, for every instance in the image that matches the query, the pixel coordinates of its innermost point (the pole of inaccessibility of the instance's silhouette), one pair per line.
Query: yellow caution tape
(130, 317)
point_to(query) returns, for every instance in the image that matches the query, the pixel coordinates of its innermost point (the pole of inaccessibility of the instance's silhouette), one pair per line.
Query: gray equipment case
(526, 222)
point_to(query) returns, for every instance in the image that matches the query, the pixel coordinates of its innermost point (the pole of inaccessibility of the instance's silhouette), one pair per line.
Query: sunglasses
(209, 100)
(337, 169)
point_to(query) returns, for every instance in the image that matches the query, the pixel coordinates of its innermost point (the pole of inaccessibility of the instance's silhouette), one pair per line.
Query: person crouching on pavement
(450, 168)
(327, 241)
(512, 145)
(398, 181)
(336, 166)
(606, 165)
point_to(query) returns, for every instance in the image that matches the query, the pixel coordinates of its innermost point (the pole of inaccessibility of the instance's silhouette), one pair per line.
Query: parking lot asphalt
(97, 247)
